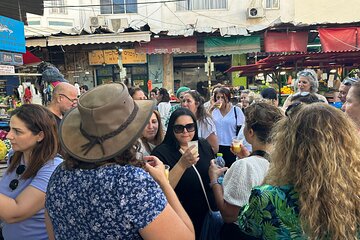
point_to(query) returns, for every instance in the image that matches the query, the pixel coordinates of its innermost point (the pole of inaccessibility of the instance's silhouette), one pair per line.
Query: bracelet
(211, 184)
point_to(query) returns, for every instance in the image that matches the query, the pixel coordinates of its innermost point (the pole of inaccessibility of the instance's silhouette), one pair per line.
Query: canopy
(294, 61)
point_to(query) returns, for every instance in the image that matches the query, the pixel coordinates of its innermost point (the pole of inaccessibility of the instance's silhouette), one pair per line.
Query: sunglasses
(15, 182)
(302, 94)
(291, 108)
(71, 100)
(180, 128)
(349, 81)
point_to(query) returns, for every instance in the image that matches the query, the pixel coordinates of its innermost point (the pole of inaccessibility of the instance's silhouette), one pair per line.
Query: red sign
(338, 39)
(168, 46)
(286, 41)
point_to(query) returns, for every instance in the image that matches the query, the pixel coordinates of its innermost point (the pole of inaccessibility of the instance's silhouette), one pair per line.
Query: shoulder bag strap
(235, 115)
(202, 186)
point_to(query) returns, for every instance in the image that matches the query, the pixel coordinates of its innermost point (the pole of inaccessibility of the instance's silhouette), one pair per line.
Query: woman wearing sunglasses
(193, 101)
(174, 151)
(306, 82)
(34, 140)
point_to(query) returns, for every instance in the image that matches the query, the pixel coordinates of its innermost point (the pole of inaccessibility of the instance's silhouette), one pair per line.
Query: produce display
(286, 90)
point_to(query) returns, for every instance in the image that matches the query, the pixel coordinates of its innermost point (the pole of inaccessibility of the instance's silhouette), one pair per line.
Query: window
(58, 3)
(118, 6)
(201, 5)
(272, 4)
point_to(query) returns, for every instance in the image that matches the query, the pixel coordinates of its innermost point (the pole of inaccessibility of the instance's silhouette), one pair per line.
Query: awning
(294, 61)
(163, 46)
(285, 41)
(89, 39)
(339, 39)
(220, 46)
(29, 58)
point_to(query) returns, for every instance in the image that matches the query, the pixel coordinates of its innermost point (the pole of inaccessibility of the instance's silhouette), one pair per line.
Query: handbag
(213, 221)
(238, 127)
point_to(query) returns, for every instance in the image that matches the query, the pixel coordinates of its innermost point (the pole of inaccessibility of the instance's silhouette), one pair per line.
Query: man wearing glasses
(65, 97)
(345, 87)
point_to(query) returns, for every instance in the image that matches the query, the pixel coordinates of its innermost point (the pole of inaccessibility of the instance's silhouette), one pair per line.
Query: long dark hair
(37, 119)
(170, 138)
(165, 97)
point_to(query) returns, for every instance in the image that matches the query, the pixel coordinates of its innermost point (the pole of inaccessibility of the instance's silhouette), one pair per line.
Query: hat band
(93, 140)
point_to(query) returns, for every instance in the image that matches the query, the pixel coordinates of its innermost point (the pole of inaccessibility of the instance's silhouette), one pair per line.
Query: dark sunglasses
(291, 108)
(180, 128)
(15, 182)
(349, 81)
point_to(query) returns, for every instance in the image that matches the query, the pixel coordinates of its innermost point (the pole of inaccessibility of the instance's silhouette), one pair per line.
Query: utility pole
(122, 70)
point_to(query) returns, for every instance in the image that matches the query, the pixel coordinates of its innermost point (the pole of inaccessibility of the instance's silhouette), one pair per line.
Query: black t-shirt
(189, 189)
(58, 120)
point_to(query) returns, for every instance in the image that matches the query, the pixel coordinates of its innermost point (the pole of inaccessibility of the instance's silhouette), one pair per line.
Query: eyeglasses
(71, 100)
(349, 81)
(180, 128)
(15, 182)
(302, 94)
(291, 108)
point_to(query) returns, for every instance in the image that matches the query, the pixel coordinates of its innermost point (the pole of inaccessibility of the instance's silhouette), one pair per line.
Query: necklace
(261, 153)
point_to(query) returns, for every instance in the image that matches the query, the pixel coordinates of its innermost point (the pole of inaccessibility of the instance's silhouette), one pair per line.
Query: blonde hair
(317, 151)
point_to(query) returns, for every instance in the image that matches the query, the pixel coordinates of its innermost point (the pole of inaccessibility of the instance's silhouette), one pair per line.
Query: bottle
(221, 163)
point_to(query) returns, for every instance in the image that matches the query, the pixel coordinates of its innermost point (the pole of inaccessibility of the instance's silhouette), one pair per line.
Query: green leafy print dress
(272, 213)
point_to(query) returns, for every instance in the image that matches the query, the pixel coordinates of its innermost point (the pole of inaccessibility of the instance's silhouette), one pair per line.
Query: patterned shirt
(272, 213)
(109, 202)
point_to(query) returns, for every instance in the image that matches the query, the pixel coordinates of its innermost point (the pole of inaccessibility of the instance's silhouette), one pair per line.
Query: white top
(241, 136)
(206, 127)
(226, 125)
(143, 148)
(242, 176)
(164, 110)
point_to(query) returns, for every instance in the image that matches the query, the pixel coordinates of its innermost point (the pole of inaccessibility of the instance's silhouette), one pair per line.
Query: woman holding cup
(228, 119)
(176, 151)
(193, 101)
(250, 171)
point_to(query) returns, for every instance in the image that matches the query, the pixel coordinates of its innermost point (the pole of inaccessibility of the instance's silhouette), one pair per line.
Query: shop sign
(11, 58)
(6, 69)
(168, 46)
(129, 56)
(12, 35)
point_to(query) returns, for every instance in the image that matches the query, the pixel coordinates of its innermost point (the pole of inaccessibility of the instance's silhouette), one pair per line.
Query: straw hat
(105, 123)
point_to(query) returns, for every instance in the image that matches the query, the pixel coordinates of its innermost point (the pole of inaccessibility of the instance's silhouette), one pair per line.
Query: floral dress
(109, 202)
(272, 213)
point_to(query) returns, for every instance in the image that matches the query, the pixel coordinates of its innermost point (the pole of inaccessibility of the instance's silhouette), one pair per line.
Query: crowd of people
(93, 167)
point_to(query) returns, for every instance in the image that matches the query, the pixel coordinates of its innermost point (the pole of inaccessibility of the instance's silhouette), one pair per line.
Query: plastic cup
(195, 150)
(236, 145)
(167, 171)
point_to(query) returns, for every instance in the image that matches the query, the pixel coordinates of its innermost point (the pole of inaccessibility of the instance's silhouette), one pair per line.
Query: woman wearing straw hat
(101, 190)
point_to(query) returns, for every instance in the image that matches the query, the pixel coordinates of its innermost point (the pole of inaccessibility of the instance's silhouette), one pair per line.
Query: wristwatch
(211, 184)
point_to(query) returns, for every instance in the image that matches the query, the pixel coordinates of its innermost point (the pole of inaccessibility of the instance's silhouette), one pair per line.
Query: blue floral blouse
(272, 213)
(109, 202)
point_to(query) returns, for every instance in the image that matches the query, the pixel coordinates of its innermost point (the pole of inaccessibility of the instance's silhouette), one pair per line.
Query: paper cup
(195, 150)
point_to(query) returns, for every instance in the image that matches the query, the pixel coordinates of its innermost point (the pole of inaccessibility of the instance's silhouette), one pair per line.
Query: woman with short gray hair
(306, 81)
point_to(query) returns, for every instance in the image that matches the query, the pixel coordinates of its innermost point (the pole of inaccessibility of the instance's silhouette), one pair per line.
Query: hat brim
(72, 139)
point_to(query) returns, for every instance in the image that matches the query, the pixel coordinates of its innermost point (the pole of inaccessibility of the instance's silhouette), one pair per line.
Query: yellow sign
(96, 57)
(129, 56)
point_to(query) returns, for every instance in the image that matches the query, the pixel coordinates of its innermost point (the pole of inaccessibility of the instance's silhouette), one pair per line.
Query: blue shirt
(108, 202)
(33, 227)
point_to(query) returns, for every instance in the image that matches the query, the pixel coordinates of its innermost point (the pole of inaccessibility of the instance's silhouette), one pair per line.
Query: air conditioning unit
(255, 12)
(118, 24)
(98, 21)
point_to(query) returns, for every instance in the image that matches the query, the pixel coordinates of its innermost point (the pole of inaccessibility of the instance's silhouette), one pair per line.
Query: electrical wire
(174, 14)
